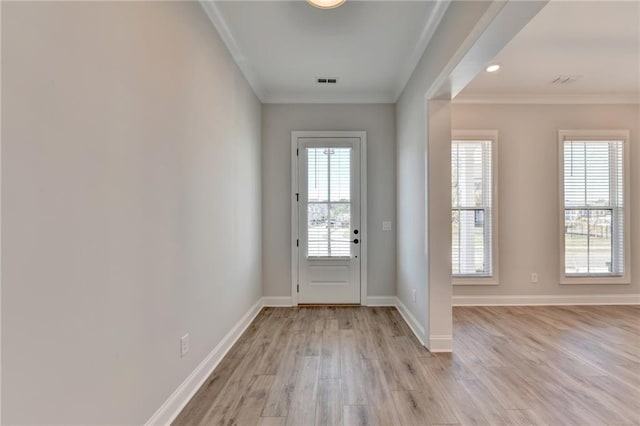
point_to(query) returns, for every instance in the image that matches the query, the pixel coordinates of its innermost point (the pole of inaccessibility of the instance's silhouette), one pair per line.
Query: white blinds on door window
(471, 213)
(593, 207)
(329, 202)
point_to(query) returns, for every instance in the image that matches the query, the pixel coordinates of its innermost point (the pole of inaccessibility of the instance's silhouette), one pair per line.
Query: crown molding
(329, 98)
(430, 26)
(581, 99)
(241, 61)
(223, 30)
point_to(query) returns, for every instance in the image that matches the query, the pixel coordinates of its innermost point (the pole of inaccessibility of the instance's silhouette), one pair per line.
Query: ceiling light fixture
(326, 4)
(493, 68)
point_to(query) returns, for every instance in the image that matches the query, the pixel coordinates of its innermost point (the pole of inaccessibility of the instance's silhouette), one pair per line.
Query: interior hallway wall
(131, 170)
(528, 186)
(411, 158)
(278, 121)
(470, 33)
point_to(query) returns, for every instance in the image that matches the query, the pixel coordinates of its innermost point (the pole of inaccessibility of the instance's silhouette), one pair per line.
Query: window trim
(494, 278)
(595, 135)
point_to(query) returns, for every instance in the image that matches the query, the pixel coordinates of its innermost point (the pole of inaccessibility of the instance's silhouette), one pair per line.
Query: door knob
(355, 241)
(355, 231)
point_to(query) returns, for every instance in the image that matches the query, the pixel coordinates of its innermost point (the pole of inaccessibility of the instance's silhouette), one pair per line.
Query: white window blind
(593, 188)
(472, 203)
(329, 202)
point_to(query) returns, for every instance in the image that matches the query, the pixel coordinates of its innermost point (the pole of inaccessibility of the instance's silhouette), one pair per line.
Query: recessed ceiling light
(326, 4)
(493, 68)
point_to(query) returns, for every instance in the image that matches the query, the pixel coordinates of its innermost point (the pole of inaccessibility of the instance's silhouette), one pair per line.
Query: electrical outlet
(413, 295)
(534, 277)
(386, 225)
(184, 345)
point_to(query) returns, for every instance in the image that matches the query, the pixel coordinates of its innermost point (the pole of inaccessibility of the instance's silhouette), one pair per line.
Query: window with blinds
(593, 192)
(471, 211)
(329, 202)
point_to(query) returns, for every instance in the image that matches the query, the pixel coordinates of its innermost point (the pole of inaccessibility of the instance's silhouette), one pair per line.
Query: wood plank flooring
(363, 366)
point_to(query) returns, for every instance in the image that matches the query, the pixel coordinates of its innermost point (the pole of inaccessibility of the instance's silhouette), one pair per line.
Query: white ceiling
(282, 47)
(597, 41)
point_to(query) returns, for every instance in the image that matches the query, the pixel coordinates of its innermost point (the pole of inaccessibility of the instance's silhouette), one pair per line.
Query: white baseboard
(413, 323)
(381, 301)
(436, 343)
(440, 343)
(177, 401)
(548, 300)
(277, 301)
(285, 301)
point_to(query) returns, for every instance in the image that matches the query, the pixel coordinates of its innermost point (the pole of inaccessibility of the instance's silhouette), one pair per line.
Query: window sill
(595, 280)
(475, 281)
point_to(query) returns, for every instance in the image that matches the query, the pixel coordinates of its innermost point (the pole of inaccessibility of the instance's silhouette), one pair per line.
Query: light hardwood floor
(363, 366)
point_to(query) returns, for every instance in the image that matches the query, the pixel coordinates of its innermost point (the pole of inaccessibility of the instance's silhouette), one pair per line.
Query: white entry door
(329, 234)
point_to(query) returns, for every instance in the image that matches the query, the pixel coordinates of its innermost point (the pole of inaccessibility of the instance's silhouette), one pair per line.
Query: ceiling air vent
(562, 80)
(327, 80)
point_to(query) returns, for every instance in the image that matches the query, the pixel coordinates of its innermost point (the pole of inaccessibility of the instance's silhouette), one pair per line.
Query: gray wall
(469, 35)
(131, 169)
(278, 121)
(412, 143)
(528, 174)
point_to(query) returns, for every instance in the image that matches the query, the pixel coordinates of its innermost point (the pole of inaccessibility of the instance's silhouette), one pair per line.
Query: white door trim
(295, 135)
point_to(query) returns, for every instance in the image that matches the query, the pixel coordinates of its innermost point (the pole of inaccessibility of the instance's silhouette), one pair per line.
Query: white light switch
(386, 225)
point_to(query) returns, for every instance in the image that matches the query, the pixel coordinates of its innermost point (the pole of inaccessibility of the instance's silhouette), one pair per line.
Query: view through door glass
(329, 202)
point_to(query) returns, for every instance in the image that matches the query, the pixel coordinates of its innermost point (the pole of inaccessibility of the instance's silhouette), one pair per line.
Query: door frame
(295, 135)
